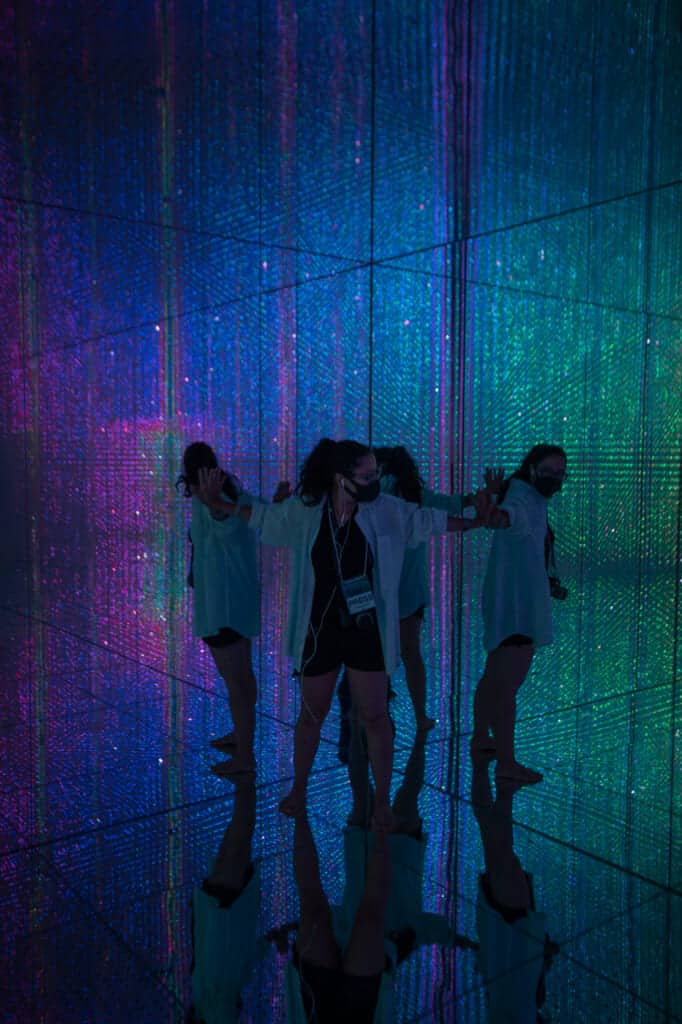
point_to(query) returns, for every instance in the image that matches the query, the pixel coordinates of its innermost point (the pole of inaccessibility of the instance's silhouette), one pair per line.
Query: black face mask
(365, 492)
(547, 486)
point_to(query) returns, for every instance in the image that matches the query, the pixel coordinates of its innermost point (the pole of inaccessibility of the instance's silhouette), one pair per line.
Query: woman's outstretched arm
(458, 524)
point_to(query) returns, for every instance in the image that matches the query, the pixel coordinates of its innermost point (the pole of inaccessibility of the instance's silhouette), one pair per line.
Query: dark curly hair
(399, 463)
(327, 458)
(533, 458)
(200, 455)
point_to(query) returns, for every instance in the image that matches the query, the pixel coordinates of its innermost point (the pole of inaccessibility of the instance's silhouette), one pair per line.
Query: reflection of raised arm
(483, 504)
(498, 519)
(493, 480)
(210, 493)
(282, 492)
(476, 498)
(457, 524)
(421, 523)
(453, 504)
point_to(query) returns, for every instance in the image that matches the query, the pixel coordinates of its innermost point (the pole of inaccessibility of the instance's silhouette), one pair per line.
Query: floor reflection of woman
(226, 599)
(407, 924)
(515, 951)
(225, 918)
(399, 476)
(333, 978)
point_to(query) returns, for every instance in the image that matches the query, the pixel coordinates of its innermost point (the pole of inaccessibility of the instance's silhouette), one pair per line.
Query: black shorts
(336, 996)
(355, 648)
(418, 613)
(223, 638)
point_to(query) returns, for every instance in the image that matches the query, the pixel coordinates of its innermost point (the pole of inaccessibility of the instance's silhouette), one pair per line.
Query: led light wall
(451, 225)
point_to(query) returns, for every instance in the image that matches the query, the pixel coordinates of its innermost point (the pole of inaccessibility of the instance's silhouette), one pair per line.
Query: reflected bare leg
(415, 673)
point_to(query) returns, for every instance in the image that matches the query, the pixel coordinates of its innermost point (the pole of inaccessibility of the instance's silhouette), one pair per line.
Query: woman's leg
(415, 673)
(316, 697)
(506, 669)
(234, 664)
(406, 799)
(368, 690)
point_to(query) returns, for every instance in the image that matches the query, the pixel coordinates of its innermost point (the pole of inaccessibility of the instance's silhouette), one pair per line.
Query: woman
(347, 542)
(225, 917)
(515, 952)
(226, 600)
(400, 477)
(517, 614)
(342, 969)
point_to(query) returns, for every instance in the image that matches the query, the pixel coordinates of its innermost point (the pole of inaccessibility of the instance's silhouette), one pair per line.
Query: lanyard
(339, 553)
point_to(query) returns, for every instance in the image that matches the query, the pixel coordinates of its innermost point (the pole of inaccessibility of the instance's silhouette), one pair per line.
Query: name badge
(357, 593)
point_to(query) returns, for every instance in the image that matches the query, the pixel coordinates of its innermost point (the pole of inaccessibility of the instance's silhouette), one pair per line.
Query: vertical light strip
(28, 233)
(171, 768)
(372, 200)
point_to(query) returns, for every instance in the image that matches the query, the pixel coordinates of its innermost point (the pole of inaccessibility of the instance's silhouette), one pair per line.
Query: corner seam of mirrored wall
(372, 201)
(461, 57)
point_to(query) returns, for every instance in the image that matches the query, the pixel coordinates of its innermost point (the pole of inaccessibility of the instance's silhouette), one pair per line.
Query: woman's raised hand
(483, 504)
(210, 485)
(493, 479)
(282, 493)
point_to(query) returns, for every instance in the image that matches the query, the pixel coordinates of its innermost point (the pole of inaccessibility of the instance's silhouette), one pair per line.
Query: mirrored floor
(139, 886)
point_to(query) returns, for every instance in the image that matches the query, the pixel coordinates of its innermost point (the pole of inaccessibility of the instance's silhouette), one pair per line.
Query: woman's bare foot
(513, 771)
(482, 750)
(293, 804)
(425, 723)
(406, 825)
(228, 769)
(230, 882)
(225, 742)
(361, 811)
(482, 745)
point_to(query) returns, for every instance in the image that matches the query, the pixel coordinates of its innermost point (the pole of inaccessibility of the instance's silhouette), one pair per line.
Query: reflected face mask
(365, 492)
(547, 486)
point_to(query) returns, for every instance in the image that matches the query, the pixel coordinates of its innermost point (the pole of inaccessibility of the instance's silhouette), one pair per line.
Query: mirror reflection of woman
(225, 599)
(515, 951)
(341, 971)
(399, 476)
(347, 544)
(225, 917)
(517, 612)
